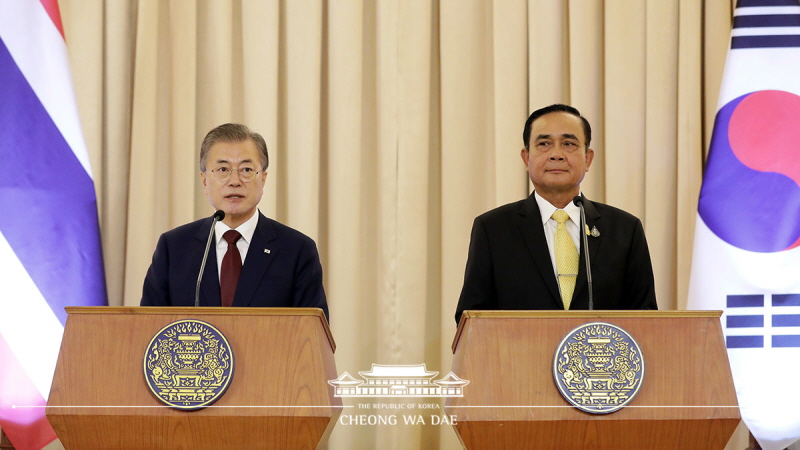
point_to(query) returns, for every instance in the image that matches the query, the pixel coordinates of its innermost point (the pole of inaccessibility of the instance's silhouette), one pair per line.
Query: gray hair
(232, 132)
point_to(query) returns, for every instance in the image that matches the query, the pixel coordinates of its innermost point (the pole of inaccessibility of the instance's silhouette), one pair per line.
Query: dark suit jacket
(281, 268)
(509, 265)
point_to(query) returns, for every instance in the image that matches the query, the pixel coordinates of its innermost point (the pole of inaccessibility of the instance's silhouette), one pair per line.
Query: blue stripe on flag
(744, 341)
(52, 226)
(785, 299)
(746, 3)
(785, 341)
(774, 41)
(744, 321)
(786, 320)
(744, 301)
(767, 20)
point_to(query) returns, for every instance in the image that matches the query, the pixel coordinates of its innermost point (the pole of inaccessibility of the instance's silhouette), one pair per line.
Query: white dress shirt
(246, 229)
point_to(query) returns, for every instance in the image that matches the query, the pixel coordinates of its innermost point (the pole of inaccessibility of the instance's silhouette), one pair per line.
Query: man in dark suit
(512, 258)
(274, 265)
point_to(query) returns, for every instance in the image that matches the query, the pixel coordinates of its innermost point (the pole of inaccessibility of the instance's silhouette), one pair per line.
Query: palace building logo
(598, 368)
(188, 364)
(398, 381)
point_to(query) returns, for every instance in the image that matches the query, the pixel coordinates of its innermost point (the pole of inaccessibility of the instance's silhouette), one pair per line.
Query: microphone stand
(219, 215)
(578, 200)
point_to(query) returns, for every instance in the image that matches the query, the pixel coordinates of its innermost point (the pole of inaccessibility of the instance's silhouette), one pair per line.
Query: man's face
(557, 158)
(237, 198)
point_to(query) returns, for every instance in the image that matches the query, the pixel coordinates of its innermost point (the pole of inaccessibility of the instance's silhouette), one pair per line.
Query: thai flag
(50, 255)
(746, 258)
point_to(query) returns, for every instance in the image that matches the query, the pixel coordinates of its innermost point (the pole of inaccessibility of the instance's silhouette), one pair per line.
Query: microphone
(578, 201)
(219, 215)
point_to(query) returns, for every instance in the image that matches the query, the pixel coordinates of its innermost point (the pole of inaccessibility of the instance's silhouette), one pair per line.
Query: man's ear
(589, 158)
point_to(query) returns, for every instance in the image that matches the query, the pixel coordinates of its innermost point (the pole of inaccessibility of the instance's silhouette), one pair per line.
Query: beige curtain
(391, 124)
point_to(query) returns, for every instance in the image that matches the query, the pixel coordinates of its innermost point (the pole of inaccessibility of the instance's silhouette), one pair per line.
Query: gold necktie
(566, 258)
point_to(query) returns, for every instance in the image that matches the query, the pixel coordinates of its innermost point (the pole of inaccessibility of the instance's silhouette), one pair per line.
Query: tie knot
(560, 216)
(231, 236)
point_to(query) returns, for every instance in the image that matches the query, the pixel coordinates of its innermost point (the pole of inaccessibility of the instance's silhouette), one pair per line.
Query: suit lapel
(209, 285)
(532, 230)
(259, 258)
(592, 218)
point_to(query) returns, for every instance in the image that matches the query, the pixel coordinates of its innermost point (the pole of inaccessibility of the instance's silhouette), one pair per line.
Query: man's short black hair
(526, 134)
(233, 132)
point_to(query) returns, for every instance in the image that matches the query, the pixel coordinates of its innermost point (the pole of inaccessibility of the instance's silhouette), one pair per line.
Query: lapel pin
(587, 230)
(266, 250)
(595, 233)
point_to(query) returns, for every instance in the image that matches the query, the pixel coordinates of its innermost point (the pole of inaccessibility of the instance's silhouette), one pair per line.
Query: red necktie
(231, 268)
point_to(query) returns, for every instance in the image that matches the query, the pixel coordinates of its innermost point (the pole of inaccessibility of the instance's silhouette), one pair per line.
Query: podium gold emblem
(188, 364)
(598, 368)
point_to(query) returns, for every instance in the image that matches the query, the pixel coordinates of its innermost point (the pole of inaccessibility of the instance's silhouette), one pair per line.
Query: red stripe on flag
(51, 6)
(26, 428)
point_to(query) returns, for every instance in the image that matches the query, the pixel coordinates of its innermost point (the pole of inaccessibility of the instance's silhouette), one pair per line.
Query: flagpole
(754, 445)
(5, 444)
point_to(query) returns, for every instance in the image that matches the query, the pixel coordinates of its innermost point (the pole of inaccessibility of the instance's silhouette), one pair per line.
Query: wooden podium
(687, 398)
(278, 398)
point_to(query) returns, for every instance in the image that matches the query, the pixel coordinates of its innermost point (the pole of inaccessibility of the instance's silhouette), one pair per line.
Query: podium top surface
(204, 311)
(210, 310)
(576, 314)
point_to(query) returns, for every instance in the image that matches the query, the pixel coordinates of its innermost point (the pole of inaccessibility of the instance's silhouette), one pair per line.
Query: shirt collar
(547, 209)
(247, 229)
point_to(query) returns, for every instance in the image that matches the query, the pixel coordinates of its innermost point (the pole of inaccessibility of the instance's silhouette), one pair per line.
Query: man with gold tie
(529, 254)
